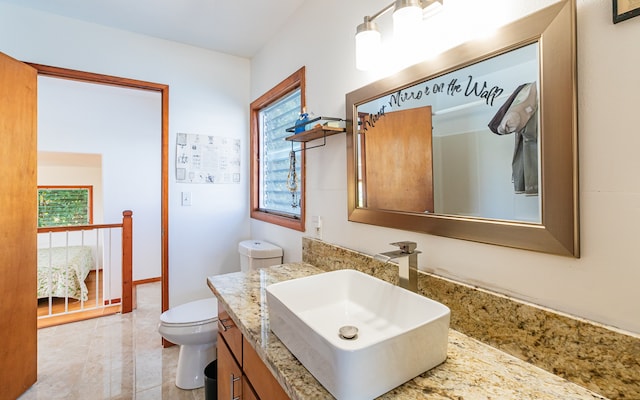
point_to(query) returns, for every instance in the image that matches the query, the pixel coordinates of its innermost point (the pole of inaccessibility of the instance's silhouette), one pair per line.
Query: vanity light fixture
(407, 17)
(368, 44)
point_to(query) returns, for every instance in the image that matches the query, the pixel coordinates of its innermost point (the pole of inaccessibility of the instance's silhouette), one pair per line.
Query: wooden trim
(127, 262)
(148, 280)
(78, 316)
(88, 187)
(74, 228)
(292, 82)
(82, 76)
(163, 89)
(165, 199)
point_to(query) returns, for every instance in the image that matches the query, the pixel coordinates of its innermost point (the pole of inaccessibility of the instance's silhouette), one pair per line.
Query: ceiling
(237, 27)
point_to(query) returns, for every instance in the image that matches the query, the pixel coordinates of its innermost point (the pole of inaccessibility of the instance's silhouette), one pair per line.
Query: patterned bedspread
(61, 272)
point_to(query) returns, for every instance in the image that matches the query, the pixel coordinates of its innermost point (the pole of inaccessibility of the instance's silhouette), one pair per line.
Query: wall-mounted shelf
(315, 133)
(320, 128)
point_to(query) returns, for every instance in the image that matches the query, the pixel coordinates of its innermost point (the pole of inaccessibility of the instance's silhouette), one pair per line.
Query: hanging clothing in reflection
(518, 115)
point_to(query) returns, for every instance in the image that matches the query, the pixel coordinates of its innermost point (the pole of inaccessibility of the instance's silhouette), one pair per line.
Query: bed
(63, 270)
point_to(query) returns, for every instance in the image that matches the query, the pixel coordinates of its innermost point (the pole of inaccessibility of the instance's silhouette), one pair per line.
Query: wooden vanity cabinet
(241, 373)
(247, 391)
(230, 332)
(262, 380)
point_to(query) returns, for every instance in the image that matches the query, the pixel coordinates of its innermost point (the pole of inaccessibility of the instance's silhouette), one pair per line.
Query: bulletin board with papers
(207, 159)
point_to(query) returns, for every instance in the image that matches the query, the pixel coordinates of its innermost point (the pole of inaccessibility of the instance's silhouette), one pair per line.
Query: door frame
(163, 89)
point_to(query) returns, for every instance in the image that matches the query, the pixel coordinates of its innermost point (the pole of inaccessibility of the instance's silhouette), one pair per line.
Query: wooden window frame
(294, 81)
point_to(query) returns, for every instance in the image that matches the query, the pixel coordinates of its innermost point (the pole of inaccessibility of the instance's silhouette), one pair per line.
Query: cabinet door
(231, 333)
(247, 390)
(262, 380)
(229, 373)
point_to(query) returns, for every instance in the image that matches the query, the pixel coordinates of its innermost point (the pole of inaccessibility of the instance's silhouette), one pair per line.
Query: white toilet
(256, 254)
(194, 325)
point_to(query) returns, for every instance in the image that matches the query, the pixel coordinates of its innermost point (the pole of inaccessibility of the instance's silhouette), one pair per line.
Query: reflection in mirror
(483, 144)
(477, 144)
(395, 170)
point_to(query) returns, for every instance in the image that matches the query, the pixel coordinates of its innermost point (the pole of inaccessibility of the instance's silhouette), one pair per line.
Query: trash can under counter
(211, 381)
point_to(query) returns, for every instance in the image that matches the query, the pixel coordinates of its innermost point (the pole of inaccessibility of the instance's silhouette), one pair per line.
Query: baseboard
(112, 301)
(78, 316)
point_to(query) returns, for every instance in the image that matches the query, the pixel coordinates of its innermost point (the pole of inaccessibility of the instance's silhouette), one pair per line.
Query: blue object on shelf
(301, 123)
(306, 121)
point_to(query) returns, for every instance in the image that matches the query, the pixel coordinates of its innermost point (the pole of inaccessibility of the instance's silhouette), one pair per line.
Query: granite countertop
(472, 370)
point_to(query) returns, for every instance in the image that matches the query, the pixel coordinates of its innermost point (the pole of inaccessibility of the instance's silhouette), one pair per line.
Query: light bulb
(406, 21)
(367, 45)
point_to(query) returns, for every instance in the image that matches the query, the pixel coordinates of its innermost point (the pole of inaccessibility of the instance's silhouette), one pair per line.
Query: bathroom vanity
(472, 369)
(241, 373)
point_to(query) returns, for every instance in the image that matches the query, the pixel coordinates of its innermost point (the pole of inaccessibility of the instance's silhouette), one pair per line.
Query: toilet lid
(194, 312)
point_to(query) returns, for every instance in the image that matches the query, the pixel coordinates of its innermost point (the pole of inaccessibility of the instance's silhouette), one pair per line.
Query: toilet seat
(194, 313)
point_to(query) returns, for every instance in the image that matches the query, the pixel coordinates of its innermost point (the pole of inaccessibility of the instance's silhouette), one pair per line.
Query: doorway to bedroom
(80, 119)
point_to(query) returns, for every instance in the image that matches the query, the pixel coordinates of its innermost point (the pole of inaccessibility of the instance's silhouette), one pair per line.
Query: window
(65, 205)
(277, 165)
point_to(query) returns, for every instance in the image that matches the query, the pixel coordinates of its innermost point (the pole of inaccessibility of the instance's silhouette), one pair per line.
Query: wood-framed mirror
(478, 144)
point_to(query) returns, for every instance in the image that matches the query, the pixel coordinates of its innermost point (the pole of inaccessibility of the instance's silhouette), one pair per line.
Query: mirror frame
(554, 29)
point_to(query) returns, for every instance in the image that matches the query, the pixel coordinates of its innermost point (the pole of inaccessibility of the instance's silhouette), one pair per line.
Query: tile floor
(114, 357)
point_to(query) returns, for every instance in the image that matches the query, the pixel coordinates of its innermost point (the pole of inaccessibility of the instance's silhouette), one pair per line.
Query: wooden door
(18, 224)
(398, 174)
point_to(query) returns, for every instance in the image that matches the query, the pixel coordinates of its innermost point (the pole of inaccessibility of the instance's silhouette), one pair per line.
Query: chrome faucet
(407, 259)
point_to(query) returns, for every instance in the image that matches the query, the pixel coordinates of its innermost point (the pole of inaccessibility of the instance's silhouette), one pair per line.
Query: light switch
(186, 199)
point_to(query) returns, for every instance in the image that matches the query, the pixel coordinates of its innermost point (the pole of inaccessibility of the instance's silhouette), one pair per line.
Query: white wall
(209, 94)
(602, 284)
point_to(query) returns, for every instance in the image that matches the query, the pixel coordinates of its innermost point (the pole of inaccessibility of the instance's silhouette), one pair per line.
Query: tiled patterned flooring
(114, 357)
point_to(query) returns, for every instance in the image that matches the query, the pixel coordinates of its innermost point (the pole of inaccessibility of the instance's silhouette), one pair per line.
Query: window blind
(275, 156)
(63, 207)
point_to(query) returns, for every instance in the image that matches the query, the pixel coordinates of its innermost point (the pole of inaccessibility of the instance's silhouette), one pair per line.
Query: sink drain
(348, 332)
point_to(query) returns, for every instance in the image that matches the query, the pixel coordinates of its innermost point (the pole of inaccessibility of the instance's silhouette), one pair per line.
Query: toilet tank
(256, 254)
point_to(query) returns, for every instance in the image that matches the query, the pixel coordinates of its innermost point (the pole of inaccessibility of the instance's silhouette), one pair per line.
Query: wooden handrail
(74, 228)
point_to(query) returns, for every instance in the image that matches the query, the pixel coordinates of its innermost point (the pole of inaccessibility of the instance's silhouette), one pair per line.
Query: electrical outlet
(317, 226)
(186, 199)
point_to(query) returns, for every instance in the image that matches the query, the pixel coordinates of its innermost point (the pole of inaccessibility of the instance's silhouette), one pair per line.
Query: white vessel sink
(400, 333)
